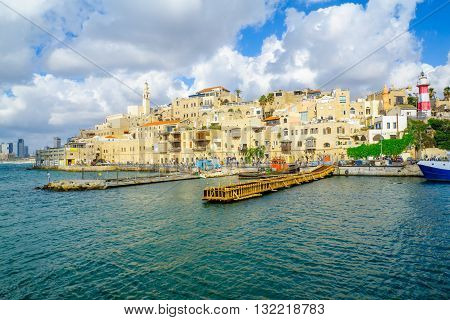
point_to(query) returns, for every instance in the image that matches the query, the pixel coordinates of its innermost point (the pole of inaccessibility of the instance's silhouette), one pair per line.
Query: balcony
(310, 144)
(235, 133)
(175, 138)
(202, 139)
(202, 135)
(199, 148)
(175, 149)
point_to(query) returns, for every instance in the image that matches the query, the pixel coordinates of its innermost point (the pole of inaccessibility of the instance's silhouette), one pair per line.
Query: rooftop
(212, 89)
(159, 123)
(272, 118)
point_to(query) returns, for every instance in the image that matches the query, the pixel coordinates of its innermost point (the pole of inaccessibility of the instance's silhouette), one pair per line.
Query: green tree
(254, 154)
(441, 130)
(389, 147)
(447, 93)
(420, 134)
(238, 92)
(412, 100)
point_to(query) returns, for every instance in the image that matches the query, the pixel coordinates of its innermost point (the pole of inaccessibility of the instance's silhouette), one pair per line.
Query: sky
(180, 47)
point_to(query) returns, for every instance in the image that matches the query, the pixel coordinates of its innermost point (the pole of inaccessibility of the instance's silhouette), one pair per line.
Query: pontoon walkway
(252, 189)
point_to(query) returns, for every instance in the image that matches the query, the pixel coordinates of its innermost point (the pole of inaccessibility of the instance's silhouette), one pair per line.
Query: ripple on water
(342, 238)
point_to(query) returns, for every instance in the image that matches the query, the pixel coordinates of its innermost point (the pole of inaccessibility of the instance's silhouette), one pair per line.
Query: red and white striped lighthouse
(423, 102)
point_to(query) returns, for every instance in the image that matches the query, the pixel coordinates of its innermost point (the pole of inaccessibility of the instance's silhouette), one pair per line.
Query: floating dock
(82, 185)
(242, 191)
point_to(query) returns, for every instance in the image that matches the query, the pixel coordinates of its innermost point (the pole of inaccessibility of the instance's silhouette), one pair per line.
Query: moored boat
(435, 170)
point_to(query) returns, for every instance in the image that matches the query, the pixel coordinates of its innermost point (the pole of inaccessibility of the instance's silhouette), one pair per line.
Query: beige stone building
(390, 97)
(304, 125)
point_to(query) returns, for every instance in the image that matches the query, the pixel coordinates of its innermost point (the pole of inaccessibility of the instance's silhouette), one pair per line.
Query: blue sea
(337, 238)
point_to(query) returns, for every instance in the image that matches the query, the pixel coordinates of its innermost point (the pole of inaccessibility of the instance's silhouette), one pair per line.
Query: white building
(388, 127)
(408, 111)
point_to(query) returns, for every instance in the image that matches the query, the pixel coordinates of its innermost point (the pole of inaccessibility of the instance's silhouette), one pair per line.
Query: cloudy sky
(182, 46)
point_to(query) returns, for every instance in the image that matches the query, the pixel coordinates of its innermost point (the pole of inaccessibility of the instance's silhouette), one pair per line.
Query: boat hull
(435, 170)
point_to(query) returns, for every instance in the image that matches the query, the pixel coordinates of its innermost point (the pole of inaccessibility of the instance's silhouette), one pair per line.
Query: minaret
(146, 100)
(385, 97)
(423, 102)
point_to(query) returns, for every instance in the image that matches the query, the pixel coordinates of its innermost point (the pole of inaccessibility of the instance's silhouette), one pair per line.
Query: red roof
(159, 123)
(212, 88)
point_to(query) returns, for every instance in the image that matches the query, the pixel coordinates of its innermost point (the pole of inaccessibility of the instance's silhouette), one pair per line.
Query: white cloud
(161, 35)
(320, 45)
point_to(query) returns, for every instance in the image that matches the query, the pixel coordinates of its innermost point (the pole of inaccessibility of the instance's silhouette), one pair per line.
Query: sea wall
(382, 171)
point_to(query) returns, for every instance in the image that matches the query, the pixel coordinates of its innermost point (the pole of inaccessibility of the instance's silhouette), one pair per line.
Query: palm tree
(431, 93)
(238, 92)
(270, 98)
(262, 102)
(447, 93)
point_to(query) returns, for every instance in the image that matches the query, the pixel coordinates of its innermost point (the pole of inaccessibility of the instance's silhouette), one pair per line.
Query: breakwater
(380, 171)
(84, 185)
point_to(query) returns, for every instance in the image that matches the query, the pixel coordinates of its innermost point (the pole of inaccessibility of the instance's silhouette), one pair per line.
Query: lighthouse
(423, 103)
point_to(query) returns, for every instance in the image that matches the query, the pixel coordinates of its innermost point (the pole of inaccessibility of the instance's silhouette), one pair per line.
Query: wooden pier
(242, 191)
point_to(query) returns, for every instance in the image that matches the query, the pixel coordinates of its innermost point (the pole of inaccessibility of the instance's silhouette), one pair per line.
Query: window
(286, 132)
(285, 120)
(388, 125)
(299, 143)
(352, 110)
(394, 125)
(326, 145)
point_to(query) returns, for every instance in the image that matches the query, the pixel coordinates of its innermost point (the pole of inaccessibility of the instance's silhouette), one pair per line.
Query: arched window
(326, 145)
(285, 120)
(286, 132)
(352, 110)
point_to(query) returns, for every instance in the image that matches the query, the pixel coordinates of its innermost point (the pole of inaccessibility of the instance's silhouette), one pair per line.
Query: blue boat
(435, 170)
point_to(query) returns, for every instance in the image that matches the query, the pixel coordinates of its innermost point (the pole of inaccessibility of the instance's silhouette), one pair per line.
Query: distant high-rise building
(27, 154)
(56, 142)
(20, 148)
(10, 147)
(4, 148)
